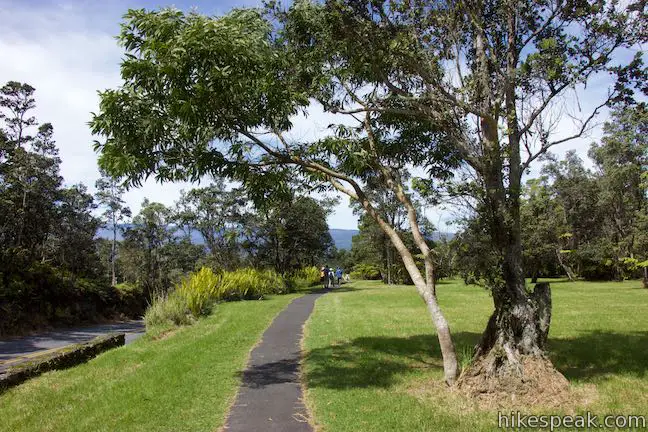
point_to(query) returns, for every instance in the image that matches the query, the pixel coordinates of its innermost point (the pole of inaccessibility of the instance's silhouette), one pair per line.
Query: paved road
(13, 348)
(270, 397)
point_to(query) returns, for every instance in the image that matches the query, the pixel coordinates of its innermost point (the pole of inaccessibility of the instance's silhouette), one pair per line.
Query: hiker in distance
(338, 276)
(326, 277)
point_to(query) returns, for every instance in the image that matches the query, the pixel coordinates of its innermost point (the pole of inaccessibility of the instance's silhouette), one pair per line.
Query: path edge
(308, 403)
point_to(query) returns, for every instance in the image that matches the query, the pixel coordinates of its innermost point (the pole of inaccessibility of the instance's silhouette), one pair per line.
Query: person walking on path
(338, 275)
(325, 277)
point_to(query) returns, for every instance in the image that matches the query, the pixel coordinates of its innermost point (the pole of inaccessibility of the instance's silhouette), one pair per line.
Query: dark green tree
(622, 163)
(582, 246)
(292, 232)
(544, 224)
(142, 259)
(70, 243)
(216, 213)
(29, 176)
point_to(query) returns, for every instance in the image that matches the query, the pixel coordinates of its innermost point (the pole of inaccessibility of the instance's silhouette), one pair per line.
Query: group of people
(328, 276)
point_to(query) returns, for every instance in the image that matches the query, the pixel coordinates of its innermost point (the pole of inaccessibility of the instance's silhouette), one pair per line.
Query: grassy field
(373, 360)
(183, 382)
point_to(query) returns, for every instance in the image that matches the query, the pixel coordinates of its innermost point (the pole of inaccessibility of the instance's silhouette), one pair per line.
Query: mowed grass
(183, 382)
(373, 361)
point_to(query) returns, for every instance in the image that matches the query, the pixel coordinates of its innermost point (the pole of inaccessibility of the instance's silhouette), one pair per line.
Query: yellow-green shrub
(196, 293)
(304, 277)
(273, 282)
(250, 283)
(200, 290)
(365, 271)
(166, 311)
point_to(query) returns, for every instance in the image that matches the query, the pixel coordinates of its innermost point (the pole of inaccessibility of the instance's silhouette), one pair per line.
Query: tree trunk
(519, 326)
(511, 353)
(568, 270)
(113, 254)
(425, 287)
(389, 263)
(645, 278)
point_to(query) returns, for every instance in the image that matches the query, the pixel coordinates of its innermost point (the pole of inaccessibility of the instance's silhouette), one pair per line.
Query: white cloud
(68, 52)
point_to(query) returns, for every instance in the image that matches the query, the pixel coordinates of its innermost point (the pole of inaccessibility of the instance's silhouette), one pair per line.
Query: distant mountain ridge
(342, 238)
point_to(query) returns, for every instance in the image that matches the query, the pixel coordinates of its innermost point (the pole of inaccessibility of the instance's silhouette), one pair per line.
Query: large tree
(292, 233)
(70, 243)
(621, 160)
(29, 175)
(425, 85)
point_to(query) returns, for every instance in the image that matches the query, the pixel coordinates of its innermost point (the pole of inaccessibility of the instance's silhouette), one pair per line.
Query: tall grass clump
(303, 278)
(167, 311)
(195, 295)
(274, 283)
(250, 283)
(200, 290)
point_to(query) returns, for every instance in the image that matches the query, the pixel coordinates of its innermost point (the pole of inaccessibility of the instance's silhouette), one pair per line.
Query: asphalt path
(270, 396)
(12, 349)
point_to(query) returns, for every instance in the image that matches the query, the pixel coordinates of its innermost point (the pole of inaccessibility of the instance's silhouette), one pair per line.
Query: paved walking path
(270, 397)
(14, 349)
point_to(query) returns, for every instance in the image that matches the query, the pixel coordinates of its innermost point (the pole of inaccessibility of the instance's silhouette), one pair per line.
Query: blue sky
(67, 51)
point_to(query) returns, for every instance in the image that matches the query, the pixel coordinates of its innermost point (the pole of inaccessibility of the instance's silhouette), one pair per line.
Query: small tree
(144, 244)
(216, 214)
(110, 196)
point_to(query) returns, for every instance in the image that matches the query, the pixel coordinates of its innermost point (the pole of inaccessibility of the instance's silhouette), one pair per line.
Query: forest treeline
(577, 222)
(53, 269)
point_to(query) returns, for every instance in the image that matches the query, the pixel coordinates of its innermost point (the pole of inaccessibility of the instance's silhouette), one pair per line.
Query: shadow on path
(270, 396)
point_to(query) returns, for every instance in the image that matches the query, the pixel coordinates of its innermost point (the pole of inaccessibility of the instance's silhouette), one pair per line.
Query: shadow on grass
(376, 361)
(600, 353)
(381, 361)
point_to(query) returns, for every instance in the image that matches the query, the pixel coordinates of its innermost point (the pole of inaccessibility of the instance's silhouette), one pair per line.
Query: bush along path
(270, 397)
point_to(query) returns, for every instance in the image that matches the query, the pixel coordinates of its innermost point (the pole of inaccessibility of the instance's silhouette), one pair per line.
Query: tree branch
(545, 147)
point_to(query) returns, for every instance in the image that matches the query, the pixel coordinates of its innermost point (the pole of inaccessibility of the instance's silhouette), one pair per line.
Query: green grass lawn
(183, 382)
(373, 360)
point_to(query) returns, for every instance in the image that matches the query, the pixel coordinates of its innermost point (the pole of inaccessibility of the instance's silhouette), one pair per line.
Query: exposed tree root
(494, 382)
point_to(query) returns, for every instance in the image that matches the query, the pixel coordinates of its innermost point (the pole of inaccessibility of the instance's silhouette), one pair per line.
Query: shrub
(200, 290)
(303, 278)
(167, 311)
(273, 282)
(37, 295)
(196, 293)
(365, 271)
(250, 283)
(131, 301)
